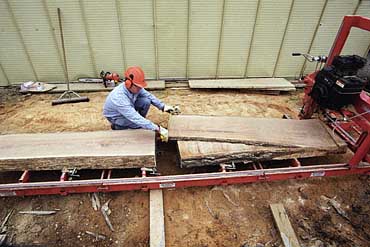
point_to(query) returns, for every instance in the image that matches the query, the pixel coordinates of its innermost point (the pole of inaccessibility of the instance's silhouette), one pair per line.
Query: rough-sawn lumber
(278, 84)
(285, 228)
(83, 150)
(157, 227)
(209, 144)
(272, 132)
(197, 153)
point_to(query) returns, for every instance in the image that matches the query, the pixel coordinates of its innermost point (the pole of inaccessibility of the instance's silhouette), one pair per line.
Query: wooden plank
(289, 133)
(285, 228)
(194, 153)
(82, 150)
(93, 87)
(47, 88)
(157, 231)
(279, 84)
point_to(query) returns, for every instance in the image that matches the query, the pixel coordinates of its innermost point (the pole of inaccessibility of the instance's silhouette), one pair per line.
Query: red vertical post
(25, 177)
(361, 152)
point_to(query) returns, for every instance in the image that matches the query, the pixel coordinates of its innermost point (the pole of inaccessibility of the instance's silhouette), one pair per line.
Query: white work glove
(171, 109)
(163, 132)
(168, 108)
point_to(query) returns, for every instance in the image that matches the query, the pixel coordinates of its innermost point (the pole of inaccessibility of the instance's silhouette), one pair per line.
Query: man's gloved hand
(168, 108)
(171, 109)
(163, 132)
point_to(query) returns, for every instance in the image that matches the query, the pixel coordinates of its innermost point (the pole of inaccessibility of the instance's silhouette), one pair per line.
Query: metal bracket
(152, 171)
(69, 173)
(227, 167)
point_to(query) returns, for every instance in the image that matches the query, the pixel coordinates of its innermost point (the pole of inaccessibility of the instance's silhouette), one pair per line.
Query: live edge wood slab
(82, 150)
(193, 153)
(211, 140)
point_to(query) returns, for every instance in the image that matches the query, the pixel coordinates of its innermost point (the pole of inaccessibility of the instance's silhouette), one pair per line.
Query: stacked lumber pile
(257, 84)
(212, 140)
(82, 150)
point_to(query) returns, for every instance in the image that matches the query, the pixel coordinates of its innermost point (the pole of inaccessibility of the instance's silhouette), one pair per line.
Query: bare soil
(236, 215)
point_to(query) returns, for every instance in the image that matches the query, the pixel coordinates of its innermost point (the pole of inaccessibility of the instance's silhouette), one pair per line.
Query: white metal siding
(329, 26)
(172, 21)
(171, 39)
(298, 37)
(3, 79)
(238, 28)
(359, 40)
(79, 59)
(138, 34)
(270, 25)
(103, 32)
(14, 60)
(205, 26)
(37, 34)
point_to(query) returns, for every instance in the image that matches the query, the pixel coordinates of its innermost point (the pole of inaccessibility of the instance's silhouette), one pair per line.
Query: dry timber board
(197, 153)
(47, 88)
(93, 87)
(82, 150)
(157, 230)
(279, 84)
(285, 228)
(253, 131)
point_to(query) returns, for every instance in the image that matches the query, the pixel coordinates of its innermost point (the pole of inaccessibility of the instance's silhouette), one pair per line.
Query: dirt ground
(236, 215)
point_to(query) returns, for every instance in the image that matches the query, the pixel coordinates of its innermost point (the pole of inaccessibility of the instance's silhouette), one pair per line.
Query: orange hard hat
(135, 75)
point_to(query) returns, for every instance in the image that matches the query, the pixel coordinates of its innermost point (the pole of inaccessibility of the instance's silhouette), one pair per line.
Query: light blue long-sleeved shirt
(120, 106)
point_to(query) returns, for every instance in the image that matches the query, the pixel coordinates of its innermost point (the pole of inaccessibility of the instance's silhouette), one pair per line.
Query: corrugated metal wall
(171, 38)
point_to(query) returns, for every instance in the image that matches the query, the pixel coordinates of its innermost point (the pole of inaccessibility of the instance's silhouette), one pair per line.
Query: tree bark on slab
(195, 154)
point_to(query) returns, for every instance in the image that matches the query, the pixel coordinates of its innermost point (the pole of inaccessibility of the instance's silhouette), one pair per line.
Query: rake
(68, 96)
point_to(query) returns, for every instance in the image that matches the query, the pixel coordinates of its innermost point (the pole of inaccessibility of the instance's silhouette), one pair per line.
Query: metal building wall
(171, 38)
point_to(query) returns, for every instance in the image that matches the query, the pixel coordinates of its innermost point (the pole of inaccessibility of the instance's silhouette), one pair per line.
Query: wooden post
(285, 228)
(157, 233)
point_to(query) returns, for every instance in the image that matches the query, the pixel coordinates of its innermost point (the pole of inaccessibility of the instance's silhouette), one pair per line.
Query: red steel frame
(178, 181)
(358, 123)
(355, 165)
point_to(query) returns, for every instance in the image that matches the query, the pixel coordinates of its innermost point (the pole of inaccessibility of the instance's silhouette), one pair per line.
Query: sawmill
(185, 123)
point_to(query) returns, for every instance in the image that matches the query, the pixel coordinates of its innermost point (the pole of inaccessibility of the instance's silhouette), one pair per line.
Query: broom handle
(64, 51)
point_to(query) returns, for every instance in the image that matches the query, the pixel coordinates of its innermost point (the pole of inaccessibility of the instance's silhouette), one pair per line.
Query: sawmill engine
(338, 85)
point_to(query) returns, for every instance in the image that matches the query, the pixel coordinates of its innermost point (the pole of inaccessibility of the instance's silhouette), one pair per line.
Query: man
(128, 104)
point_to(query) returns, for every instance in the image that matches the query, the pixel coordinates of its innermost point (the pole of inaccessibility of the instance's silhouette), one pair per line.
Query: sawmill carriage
(334, 92)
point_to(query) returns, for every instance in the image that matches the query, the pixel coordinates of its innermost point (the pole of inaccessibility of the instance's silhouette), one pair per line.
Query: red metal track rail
(179, 181)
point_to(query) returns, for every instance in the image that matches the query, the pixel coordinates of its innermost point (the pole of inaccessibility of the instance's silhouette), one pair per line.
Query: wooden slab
(157, 230)
(279, 84)
(92, 87)
(97, 87)
(82, 150)
(253, 131)
(285, 228)
(47, 88)
(197, 153)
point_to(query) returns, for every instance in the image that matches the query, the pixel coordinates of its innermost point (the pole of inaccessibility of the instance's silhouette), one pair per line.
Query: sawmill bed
(36, 176)
(233, 215)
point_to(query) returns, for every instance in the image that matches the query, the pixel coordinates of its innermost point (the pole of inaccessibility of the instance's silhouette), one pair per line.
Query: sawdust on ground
(236, 215)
